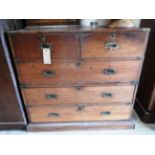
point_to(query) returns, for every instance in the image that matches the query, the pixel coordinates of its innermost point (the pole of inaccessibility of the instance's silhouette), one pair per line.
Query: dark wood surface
(11, 116)
(146, 91)
(27, 47)
(145, 115)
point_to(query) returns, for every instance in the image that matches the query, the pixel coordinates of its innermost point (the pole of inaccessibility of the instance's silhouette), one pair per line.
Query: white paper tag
(47, 56)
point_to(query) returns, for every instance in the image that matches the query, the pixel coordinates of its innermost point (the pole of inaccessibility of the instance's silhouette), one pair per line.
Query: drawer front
(79, 113)
(113, 45)
(74, 95)
(27, 47)
(71, 73)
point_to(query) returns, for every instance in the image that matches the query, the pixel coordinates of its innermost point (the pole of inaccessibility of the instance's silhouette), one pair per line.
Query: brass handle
(46, 45)
(109, 71)
(53, 114)
(49, 73)
(111, 45)
(51, 96)
(106, 95)
(105, 113)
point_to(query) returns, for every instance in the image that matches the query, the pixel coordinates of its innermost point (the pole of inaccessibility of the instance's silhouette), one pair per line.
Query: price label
(47, 56)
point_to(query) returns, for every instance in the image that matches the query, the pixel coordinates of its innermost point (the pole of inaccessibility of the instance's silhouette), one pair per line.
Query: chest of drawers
(92, 79)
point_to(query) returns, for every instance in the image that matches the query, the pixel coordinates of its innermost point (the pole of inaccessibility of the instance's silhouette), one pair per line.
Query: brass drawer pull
(51, 96)
(105, 113)
(53, 114)
(111, 45)
(45, 45)
(106, 95)
(49, 73)
(109, 71)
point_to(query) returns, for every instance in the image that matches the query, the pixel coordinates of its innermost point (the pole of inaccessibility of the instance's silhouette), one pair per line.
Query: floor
(140, 129)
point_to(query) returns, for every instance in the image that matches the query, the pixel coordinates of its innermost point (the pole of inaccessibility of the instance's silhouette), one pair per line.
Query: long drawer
(113, 45)
(75, 73)
(79, 113)
(74, 95)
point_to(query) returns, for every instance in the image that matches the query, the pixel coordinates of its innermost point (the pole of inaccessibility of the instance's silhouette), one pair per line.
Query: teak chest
(91, 81)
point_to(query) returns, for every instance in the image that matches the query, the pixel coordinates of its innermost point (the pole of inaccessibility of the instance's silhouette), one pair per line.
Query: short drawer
(75, 95)
(79, 113)
(113, 45)
(72, 73)
(28, 46)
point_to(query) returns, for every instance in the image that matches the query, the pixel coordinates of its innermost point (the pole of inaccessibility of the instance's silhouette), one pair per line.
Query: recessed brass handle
(105, 113)
(51, 96)
(45, 46)
(53, 114)
(49, 73)
(109, 71)
(106, 95)
(111, 45)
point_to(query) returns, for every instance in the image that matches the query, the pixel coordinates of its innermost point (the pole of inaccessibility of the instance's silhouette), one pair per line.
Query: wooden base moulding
(96, 125)
(145, 116)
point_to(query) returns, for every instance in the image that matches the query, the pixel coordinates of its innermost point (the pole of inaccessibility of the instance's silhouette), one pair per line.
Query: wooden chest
(91, 81)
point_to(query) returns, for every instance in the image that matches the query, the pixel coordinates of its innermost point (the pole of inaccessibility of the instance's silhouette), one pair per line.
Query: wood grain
(78, 73)
(131, 44)
(71, 91)
(27, 47)
(72, 113)
(89, 125)
(75, 95)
